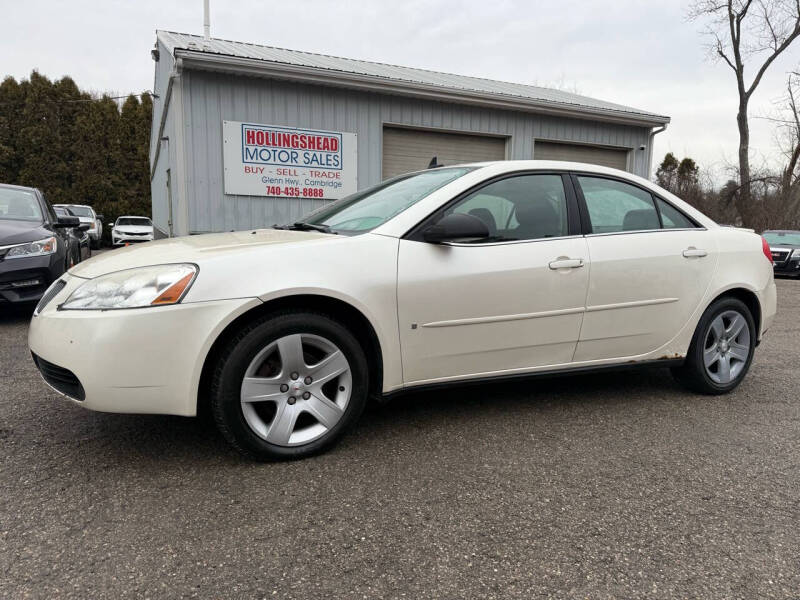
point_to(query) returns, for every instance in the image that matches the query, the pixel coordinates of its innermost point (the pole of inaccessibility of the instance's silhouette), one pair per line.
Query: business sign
(267, 160)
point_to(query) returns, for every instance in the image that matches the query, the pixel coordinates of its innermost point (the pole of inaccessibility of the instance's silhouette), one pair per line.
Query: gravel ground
(617, 485)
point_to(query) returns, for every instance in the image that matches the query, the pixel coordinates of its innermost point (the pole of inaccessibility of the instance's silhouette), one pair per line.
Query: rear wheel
(721, 350)
(289, 386)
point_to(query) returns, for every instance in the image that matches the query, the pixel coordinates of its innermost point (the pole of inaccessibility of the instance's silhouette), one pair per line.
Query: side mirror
(456, 227)
(67, 222)
(100, 217)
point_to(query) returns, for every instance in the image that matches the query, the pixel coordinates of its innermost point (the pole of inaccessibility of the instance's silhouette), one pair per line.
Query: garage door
(597, 155)
(406, 150)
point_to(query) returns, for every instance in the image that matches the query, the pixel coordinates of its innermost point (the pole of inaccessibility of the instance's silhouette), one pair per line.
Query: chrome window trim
(645, 231)
(509, 242)
(567, 237)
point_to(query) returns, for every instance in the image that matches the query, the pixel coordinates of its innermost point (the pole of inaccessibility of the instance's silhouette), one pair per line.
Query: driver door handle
(692, 252)
(566, 263)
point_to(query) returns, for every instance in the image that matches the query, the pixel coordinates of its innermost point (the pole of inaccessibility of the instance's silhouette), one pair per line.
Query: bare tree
(789, 141)
(744, 31)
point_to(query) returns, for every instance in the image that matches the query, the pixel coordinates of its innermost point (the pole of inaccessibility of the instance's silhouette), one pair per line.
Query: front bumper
(145, 360)
(790, 268)
(121, 238)
(25, 279)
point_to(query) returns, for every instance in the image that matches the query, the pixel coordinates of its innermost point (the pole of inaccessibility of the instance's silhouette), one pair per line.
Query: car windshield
(19, 205)
(140, 221)
(372, 207)
(782, 237)
(81, 211)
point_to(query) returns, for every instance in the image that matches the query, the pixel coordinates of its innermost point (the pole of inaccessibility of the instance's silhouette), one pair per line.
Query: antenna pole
(206, 21)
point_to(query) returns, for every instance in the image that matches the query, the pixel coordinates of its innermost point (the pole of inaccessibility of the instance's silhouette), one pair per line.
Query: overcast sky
(642, 54)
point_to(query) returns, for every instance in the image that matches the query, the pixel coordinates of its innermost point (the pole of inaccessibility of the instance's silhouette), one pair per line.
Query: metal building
(245, 136)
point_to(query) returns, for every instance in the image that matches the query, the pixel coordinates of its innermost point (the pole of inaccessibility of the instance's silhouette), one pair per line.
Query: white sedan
(476, 272)
(128, 229)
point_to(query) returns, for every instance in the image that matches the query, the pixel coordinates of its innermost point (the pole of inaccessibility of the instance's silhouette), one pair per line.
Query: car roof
(545, 165)
(11, 186)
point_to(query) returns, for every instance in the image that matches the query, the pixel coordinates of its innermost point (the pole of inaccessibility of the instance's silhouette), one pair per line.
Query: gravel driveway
(613, 485)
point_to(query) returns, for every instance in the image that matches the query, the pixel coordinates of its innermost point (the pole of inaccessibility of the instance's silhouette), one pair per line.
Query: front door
(508, 304)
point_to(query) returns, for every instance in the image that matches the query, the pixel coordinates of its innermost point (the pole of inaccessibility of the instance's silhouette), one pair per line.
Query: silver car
(87, 216)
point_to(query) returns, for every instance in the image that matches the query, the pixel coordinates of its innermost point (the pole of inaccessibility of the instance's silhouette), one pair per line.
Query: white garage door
(596, 155)
(406, 150)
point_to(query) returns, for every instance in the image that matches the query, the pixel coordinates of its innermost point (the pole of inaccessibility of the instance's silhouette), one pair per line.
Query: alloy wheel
(727, 347)
(296, 389)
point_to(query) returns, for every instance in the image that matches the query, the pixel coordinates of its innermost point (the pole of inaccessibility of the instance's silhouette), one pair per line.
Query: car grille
(51, 293)
(133, 233)
(779, 256)
(60, 378)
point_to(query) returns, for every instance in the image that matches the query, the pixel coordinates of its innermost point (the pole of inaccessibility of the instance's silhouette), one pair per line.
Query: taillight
(766, 250)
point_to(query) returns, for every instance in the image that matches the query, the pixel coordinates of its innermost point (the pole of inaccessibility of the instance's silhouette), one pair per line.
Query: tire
(255, 415)
(707, 346)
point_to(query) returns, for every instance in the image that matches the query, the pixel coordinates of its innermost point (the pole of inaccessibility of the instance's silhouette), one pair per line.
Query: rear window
(81, 211)
(777, 238)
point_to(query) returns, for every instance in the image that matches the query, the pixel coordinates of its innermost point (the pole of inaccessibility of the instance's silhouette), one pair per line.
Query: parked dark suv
(34, 244)
(785, 248)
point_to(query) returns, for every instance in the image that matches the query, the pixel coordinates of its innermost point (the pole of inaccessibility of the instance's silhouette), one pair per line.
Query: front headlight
(39, 248)
(796, 254)
(134, 288)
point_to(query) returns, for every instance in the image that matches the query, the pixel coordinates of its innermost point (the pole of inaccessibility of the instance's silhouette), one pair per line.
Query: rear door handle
(566, 263)
(692, 252)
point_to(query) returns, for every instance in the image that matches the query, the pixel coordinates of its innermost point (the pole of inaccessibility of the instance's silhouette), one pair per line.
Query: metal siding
(158, 181)
(212, 97)
(163, 69)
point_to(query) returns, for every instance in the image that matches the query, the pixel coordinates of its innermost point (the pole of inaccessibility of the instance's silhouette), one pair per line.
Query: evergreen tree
(667, 172)
(77, 148)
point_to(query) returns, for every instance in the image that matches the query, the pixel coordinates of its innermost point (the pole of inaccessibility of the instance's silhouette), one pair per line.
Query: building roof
(254, 59)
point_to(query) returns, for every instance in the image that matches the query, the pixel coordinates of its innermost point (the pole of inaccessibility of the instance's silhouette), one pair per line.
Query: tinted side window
(526, 207)
(671, 217)
(616, 206)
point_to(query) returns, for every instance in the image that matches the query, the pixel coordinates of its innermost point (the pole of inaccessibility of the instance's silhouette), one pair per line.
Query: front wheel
(721, 350)
(289, 386)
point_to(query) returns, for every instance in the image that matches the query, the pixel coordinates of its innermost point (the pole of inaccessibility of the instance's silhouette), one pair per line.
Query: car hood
(133, 229)
(193, 249)
(19, 232)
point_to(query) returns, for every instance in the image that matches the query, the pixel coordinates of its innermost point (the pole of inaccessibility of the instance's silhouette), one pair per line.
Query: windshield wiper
(303, 226)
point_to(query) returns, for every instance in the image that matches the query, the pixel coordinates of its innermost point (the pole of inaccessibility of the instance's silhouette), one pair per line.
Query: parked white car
(129, 229)
(87, 216)
(472, 273)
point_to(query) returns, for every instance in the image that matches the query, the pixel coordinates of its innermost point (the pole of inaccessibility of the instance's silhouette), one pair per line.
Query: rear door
(651, 267)
(508, 304)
